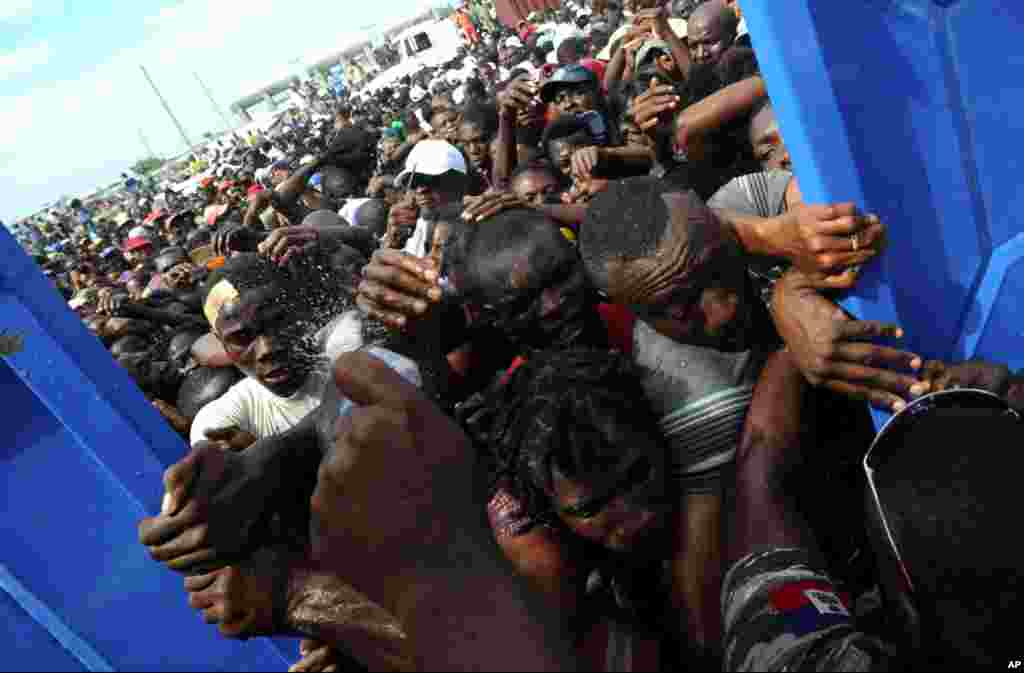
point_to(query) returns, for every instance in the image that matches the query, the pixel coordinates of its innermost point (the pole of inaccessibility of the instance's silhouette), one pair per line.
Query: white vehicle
(427, 45)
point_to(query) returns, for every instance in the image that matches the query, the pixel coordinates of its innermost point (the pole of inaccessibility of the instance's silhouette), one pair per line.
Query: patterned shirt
(702, 396)
(782, 612)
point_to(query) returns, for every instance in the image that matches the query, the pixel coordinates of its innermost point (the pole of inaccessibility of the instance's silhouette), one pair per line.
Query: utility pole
(145, 144)
(228, 126)
(167, 108)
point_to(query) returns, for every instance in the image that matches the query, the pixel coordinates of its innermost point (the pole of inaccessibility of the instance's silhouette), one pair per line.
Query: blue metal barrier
(909, 109)
(81, 462)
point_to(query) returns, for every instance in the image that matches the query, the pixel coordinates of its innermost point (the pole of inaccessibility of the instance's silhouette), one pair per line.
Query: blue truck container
(81, 462)
(907, 107)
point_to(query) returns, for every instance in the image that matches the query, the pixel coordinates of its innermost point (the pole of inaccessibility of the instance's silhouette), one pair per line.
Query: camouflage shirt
(782, 612)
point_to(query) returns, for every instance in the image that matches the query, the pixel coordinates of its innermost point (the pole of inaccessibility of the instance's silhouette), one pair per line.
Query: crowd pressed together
(533, 361)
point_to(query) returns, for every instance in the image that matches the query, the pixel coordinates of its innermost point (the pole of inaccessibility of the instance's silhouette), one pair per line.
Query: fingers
(367, 381)
(203, 560)
(405, 262)
(392, 319)
(319, 659)
(879, 399)
(378, 278)
(194, 583)
(401, 303)
(873, 355)
(867, 329)
(159, 530)
(178, 480)
(936, 374)
(188, 541)
(490, 205)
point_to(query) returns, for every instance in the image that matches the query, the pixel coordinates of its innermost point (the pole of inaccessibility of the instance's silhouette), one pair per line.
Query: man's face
(139, 255)
(250, 327)
(687, 294)
(446, 126)
(277, 176)
(706, 38)
(766, 139)
(537, 188)
(388, 147)
(435, 191)
(575, 98)
(627, 516)
(476, 145)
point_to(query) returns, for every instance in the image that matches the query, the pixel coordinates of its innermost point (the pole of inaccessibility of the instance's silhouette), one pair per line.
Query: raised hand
(214, 508)
(478, 208)
(654, 105)
(395, 488)
(399, 289)
(286, 242)
(830, 349)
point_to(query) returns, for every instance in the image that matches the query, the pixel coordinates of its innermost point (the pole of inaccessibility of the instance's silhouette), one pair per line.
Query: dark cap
(567, 75)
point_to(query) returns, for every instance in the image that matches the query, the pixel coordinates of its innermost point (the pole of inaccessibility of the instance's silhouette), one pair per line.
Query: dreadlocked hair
(552, 411)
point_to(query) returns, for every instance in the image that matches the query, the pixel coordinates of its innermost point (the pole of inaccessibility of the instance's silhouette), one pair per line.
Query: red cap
(136, 243)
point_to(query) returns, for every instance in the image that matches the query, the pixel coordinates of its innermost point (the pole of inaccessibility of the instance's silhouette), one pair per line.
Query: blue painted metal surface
(81, 460)
(910, 109)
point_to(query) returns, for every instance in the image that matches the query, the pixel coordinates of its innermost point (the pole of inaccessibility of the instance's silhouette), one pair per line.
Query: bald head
(710, 30)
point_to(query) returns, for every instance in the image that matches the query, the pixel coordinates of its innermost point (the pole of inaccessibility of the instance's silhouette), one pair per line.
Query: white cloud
(11, 10)
(23, 59)
(68, 137)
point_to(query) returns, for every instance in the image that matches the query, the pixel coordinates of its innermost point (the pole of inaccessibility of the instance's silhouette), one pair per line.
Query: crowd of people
(534, 361)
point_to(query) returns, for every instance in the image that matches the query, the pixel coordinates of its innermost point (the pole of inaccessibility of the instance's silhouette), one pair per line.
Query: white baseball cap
(431, 157)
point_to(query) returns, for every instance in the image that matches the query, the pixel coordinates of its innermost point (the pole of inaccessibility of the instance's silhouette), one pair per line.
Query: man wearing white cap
(435, 176)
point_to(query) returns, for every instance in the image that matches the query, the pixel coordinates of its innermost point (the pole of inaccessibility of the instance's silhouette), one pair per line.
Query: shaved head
(710, 30)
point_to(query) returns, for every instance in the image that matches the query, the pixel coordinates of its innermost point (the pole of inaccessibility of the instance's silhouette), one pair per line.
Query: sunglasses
(893, 436)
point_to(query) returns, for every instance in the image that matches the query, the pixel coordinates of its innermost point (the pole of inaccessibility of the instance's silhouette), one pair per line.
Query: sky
(73, 100)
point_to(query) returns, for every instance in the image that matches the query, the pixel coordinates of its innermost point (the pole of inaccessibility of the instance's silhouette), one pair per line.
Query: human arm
(506, 154)
(718, 109)
(217, 503)
(831, 348)
(658, 18)
(818, 239)
(764, 515)
(418, 544)
(636, 158)
(174, 418)
(285, 242)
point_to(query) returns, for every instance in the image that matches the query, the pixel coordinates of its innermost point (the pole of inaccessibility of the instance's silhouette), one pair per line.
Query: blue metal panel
(81, 460)
(27, 645)
(892, 104)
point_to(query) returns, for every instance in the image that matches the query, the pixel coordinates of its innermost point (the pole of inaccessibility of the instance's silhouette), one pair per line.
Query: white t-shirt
(350, 209)
(418, 245)
(254, 409)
